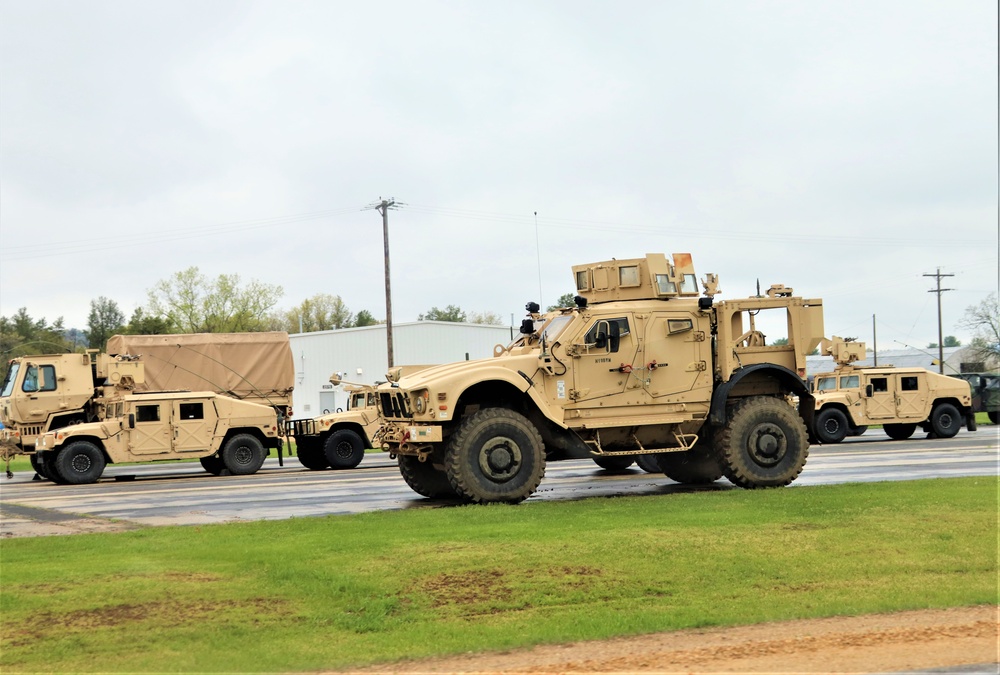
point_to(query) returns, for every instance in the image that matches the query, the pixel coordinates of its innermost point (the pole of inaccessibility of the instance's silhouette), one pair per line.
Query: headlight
(420, 405)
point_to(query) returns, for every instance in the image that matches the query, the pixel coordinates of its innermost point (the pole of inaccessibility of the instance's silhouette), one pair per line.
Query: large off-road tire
(495, 455)
(310, 454)
(945, 420)
(994, 416)
(424, 478)
(899, 432)
(857, 431)
(763, 444)
(831, 425)
(213, 464)
(38, 465)
(692, 467)
(243, 455)
(648, 463)
(344, 449)
(613, 463)
(79, 462)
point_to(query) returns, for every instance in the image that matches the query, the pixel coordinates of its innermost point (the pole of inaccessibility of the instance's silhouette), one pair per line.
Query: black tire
(994, 416)
(692, 467)
(424, 478)
(857, 431)
(496, 455)
(344, 449)
(899, 432)
(763, 444)
(310, 454)
(648, 463)
(831, 425)
(243, 455)
(945, 420)
(38, 465)
(213, 464)
(79, 462)
(47, 460)
(619, 463)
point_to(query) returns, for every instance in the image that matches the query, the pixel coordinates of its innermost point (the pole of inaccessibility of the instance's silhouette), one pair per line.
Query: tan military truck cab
(226, 434)
(900, 399)
(640, 366)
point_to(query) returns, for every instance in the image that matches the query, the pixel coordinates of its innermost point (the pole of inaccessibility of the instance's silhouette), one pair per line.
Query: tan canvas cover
(244, 365)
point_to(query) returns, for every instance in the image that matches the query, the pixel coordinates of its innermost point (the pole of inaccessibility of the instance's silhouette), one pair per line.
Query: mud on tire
(763, 444)
(496, 455)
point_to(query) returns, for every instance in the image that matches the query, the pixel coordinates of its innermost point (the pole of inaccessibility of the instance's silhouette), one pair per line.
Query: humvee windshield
(850, 382)
(553, 327)
(826, 384)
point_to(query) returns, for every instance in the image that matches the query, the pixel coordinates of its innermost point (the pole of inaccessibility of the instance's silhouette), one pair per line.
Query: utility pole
(383, 206)
(939, 291)
(874, 342)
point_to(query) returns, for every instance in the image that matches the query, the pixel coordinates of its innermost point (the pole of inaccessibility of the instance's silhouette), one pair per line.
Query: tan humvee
(337, 440)
(900, 399)
(640, 366)
(228, 435)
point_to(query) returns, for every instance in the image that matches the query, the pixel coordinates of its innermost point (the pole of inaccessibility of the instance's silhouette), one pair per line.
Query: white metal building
(360, 355)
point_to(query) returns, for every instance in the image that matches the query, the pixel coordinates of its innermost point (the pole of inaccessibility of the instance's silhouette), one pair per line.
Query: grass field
(333, 592)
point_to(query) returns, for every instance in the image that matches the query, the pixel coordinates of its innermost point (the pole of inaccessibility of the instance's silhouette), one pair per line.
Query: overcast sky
(842, 148)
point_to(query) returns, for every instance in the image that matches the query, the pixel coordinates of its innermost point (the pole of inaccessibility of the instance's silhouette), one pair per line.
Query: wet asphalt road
(183, 494)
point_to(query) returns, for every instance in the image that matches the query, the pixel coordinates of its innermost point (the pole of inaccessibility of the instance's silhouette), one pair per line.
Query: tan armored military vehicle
(900, 399)
(640, 366)
(226, 434)
(337, 440)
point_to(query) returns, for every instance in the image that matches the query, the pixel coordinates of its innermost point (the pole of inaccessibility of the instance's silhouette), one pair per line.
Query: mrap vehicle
(641, 365)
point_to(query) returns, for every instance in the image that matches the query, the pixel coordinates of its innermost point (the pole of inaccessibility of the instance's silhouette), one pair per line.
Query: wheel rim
(831, 426)
(243, 455)
(945, 420)
(344, 449)
(80, 463)
(767, 444)
(500, 459)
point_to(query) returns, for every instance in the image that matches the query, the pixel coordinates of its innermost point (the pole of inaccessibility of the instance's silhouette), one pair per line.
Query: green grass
(335, 592)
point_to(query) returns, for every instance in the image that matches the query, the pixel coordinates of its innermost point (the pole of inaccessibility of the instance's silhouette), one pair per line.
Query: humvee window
(880, 384)
(826, 384)
(147, 413)
(908, 383)
(119, 409)
(8, 383)
(628, 276)
(192, 411)
(849, 382)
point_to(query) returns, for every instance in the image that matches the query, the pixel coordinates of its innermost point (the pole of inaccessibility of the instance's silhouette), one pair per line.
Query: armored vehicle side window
(675, 326)
(908, 383)
(31, 379)
(147, 413)
(628, 276)
(582, 281)
(849, 382)
(119, 409)
(826, 384)
(880, 384)
(192, 411)
(371, 400)
(358, 401)
(8, 383)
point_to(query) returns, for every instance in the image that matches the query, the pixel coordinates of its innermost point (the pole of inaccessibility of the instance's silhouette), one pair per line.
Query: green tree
(364, 318)
(564, 300)
(20, 334)
(320, 312)
(449, 313)
(193, 303)
(983, 320)
(779, 342)
(141, 324)
(105, 320)
(487, 318)
(949, 341)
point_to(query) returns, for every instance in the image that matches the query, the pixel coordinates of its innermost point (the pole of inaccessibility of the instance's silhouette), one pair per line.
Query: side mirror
(131, 420)
(869, 390)
(601, 340)
(615, 338)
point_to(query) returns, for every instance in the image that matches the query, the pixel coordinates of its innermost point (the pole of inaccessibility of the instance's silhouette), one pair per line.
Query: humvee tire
(38, 465)
(613, 463)
(243, 455)
(213, 464)
(648, 463)
(495, 455)
(764, 443)
(693, 467)
(79, 462)
(831, 425)
(994, 416)
(899, 432)
(424, 479)
(344, 449)
(857, 431)
(945, 420)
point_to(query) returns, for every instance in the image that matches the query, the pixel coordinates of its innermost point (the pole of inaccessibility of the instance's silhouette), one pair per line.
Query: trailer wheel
(649, 463)
(692, 467)
(79, 462)
(831, 425)
(496, 455)
(243, 455)
(899, 432)
(613, 463)
(764, 443)
(424, 479)
(945, 420)
(344, 449)
(213, 464)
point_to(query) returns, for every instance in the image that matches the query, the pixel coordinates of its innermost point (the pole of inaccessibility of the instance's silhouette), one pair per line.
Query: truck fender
(794, 384)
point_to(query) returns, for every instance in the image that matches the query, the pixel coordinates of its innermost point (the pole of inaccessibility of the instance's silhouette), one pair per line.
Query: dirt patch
(902, 641)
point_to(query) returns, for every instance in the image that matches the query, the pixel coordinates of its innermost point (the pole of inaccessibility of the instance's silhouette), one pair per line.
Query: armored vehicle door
(880, 399)
(911, 395)
(193, 424)
(676, 356)
(36, 394)
(150, 434)
(604, 369)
